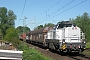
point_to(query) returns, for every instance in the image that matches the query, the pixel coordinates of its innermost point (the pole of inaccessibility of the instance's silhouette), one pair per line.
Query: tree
(38, 27)
(41, 26)
(83, 22)
(49, 24)
(12, 36)
(22, 29)
(11, 18)
(7, 19)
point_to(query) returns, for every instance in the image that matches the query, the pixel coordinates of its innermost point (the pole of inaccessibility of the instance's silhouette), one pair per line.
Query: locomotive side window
(68, 25)
(64, 25)
(60, 26)
(74, 25)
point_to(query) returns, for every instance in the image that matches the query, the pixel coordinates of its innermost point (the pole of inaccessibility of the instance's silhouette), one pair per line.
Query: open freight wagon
(38, 36)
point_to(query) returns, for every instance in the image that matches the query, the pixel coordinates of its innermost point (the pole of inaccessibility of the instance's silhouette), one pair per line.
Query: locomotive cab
(73, 39)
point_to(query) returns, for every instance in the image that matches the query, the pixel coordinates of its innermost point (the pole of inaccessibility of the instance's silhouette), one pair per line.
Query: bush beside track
(28, 53)
(87, 51)
(31, 53)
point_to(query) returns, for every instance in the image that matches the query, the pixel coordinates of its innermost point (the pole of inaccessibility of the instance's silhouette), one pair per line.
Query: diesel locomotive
(63, 37)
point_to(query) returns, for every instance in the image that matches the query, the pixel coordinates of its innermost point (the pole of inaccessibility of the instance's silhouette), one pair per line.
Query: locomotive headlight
(84, 42)
(63, 41)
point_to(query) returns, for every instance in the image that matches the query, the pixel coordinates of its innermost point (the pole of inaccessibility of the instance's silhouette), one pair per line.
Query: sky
(40, 12)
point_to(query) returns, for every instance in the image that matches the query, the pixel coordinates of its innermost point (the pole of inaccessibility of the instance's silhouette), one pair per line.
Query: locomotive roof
(65, 22)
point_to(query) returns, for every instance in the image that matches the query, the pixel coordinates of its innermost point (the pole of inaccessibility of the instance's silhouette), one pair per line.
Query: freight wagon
(38, 36)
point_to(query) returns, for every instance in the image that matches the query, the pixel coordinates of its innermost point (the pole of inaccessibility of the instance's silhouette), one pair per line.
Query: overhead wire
(49, 15)
(63, 7)
(51, 7)
(47, 9)
(58, 10)
(23, 9)
(65, 10)
(69, 8)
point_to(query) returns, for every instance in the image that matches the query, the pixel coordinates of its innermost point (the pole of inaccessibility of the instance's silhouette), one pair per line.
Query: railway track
(88, 49)
(60, 56)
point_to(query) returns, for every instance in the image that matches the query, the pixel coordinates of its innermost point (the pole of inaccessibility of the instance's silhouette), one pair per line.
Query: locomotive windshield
(65, 24)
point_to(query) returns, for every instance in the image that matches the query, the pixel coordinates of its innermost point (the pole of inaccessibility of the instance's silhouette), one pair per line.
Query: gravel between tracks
(55, 56)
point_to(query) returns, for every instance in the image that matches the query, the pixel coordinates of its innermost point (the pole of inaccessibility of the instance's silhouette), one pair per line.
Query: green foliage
(83, 22)
(12, 36)
(31, 53)
(41, 26)
(49, 24)
(38, 27)
(88, 45)
(86, 52)
(11, 17)
(7, 19)
(28, 53)
(22, 29)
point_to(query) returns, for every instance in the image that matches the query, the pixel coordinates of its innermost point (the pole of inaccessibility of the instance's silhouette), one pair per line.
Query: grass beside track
(31, 53)
(87, 47)
(87, 53)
